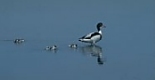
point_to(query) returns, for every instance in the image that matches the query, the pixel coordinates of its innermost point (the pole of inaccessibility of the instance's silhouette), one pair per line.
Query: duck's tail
(80, 39)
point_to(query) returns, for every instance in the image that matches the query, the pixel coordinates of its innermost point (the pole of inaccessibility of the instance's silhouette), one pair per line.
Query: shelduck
(93, 37)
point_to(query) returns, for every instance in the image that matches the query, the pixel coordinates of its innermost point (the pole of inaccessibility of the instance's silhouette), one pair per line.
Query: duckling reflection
(95, 51)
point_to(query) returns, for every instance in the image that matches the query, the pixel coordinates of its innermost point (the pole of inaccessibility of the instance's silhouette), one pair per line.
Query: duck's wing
(88, 36)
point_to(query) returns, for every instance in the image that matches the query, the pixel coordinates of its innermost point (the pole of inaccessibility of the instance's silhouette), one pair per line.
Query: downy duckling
(54, 47)
(19, 40)
(73, 45)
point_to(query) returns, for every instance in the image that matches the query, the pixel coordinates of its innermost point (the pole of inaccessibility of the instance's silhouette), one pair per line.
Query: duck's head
(100, 25)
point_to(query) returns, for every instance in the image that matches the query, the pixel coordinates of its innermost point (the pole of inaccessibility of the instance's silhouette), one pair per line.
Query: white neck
(100, 31)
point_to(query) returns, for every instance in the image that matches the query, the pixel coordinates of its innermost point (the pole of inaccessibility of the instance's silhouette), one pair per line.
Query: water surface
(125, 53)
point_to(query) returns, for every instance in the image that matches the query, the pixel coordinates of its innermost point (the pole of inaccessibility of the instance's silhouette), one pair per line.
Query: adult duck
(93, 37)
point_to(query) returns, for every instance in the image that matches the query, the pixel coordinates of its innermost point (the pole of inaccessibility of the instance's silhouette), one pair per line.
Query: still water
(126, 51)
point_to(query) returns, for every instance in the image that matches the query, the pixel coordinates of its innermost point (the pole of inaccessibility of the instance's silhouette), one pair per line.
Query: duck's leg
(93, 43)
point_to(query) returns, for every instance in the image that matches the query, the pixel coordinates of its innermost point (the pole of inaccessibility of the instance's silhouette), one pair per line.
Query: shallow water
(126, 51)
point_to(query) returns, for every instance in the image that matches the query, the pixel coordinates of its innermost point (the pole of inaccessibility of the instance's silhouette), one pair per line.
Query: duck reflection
(95, 51)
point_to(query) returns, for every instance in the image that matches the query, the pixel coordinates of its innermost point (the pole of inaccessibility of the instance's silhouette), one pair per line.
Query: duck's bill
(104, 26)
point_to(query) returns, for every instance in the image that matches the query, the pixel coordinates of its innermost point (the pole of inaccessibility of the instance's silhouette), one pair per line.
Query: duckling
(73, 45)
(48, 48)
(54, 47)
(19, 40)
